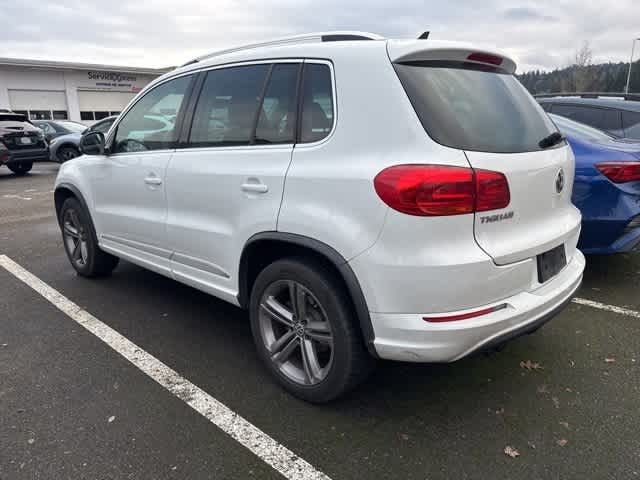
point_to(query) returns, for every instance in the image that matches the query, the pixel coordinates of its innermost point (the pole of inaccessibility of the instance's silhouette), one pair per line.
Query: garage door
(39, 104)
(96, 105)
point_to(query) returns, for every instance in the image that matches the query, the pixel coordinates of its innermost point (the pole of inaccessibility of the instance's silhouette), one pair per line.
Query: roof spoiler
(410, 51)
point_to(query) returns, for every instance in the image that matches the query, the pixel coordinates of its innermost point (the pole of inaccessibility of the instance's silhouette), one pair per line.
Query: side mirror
(92, 143)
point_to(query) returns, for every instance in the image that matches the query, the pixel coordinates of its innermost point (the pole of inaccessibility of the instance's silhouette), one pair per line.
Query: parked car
(606, 188)
(616, 115)
(419, 209)
(21, 143)
(64, 136)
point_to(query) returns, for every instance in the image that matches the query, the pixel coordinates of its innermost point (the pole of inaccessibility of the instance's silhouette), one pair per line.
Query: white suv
(362, 198)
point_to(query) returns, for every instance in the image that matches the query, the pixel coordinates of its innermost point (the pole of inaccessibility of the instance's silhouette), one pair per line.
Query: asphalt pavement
(72, 407)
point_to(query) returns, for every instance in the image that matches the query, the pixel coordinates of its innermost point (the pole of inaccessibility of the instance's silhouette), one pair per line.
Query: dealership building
(46, 90)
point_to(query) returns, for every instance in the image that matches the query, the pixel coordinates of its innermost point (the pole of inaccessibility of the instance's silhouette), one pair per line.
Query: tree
(583, 73)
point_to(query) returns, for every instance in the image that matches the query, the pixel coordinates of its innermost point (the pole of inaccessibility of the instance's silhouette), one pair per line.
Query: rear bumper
(28, 156)
(407, 337)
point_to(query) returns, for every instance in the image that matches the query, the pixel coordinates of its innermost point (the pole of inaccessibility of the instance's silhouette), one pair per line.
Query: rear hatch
(18, 134)
(471, 101)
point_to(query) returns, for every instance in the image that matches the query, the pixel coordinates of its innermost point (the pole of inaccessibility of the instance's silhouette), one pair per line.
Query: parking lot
(71, 406)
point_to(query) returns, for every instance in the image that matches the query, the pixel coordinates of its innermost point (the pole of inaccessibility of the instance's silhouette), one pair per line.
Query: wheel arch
(65, 145)
(66, 190)
(266, 247)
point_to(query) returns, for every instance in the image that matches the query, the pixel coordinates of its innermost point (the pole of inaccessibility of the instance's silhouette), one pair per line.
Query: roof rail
(624, 96)
(334, 36)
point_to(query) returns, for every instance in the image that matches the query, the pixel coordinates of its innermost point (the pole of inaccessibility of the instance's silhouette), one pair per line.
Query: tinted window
(102, 126)
(631, 124)
(473, 109)
(602, 118)
(579, 130)
(317, 103)
(150, 124)
(86, 115)
(277, 116)
(228, 106)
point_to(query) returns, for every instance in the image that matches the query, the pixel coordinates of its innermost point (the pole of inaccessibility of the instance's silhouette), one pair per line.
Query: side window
(631, 124)
(228, 106)
(150, 124)
(602, 118)
(46, 128)
(317, 103)
(102, 127)
(278, 113)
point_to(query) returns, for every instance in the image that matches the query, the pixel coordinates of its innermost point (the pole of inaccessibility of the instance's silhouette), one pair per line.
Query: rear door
(227, 183)
(487, 113)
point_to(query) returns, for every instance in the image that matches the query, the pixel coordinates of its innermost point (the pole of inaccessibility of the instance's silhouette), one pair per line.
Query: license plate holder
(550, 263)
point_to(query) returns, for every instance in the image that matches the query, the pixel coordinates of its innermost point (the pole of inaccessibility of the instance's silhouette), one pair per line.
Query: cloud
(157, 33)
(525, 14)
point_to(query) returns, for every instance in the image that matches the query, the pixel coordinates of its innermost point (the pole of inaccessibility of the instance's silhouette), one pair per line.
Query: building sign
(112, 79)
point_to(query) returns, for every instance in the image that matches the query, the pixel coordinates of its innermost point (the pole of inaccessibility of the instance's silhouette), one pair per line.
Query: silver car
(64, 136)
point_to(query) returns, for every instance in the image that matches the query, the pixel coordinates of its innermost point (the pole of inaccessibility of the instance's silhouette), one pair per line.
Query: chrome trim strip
(143, 247)
(199, 264)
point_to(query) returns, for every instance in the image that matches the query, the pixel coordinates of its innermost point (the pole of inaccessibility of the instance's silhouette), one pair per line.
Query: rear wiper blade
(551, 140)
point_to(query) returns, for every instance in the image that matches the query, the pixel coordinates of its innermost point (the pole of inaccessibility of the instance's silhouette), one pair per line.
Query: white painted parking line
(251, 437)
(609, 308)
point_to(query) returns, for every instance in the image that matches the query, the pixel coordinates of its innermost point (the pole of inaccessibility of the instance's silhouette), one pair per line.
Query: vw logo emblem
(560, 182)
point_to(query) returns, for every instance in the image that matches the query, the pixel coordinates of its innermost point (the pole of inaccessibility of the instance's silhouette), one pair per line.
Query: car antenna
(424, 36)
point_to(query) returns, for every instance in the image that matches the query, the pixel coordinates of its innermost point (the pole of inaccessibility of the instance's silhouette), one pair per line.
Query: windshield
(580, 130)
(475, 109)
(73, 127)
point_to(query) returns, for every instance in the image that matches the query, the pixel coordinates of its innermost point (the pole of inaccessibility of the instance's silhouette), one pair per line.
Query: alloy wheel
(296, 332)
(75, 238)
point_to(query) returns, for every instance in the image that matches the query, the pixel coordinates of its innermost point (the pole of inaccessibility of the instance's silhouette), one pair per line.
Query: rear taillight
(620, 172)
(439, 190)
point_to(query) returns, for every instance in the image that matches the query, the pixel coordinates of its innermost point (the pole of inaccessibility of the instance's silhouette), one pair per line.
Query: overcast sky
(156, 33)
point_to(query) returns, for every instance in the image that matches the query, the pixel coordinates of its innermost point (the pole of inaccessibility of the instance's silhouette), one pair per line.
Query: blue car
(606, 187)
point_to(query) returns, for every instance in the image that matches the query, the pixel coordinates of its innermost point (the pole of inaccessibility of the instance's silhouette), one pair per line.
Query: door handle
(254, 187)
(153, 180)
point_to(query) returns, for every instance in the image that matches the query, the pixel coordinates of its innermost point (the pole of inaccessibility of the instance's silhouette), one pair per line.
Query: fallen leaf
(30, 441)
(529, 365)
(556, 402)
(542, 389)
(532, 445)
(511, 452)
(562, 442)
(568, 390)
(111, 419)
(403, 436)
(610, 360)
(500, 411)
(564, 424)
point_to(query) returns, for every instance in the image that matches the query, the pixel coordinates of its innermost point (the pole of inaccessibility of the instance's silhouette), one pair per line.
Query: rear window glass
(475, 110)
(602, 118)
(579, 130)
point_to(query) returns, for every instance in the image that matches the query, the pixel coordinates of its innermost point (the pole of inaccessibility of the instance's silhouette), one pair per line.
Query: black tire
(66, 153)
(93, 262)
(350, 362)
(21, 168)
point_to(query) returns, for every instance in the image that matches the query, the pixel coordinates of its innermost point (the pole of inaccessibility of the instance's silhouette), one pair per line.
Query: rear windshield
(12, 118)
(472, 109)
